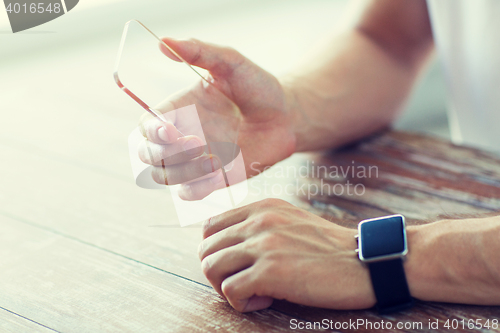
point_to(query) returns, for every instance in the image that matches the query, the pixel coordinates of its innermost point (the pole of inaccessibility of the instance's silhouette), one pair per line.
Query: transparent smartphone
(169, 89)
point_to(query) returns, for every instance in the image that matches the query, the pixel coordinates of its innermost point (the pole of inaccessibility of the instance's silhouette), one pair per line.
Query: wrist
(353, 288)
(414, 265)
(427, 273)
(364, 289)
(296, 116)
(454, 261)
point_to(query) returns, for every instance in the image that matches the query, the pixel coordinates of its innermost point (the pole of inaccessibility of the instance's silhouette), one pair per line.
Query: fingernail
(192, 147)
(186, 192)
(211, 164)
(162, 134)
(248, 305)
(256, 303)
(217, 178)
(208, 79)
(171, 38)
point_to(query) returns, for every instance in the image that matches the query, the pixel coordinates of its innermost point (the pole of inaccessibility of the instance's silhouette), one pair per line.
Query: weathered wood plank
(99, 210)
(77, 181)
(116, 215)
(422, 184)
(79, 228)
(421, 314)
(422, 181)
(67, 170)
(71, 286)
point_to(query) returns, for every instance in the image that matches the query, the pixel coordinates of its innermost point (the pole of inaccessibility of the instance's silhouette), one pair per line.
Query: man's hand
(265, 130)
(274, 250)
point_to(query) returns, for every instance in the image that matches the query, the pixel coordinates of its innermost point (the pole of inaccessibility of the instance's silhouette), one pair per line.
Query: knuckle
(201, 250)
(272, 257)
(142, 122)
(146, 152)
(266, 220)
(151, 152)
(158, 176)
(207, 268)
(272, 202)
(269, 242)
(198, 54)
(228, 289)
(193, 40)
(260, 223)
(149, 128)
(207, 226)
(143, 153)
(233, 53)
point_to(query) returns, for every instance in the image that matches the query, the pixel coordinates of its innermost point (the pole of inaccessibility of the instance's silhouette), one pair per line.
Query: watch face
(382, 238)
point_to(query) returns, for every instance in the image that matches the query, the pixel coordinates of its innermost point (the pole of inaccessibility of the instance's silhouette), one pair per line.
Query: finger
(243, 292)
(158, 131)
(224, 263)
(225, 220)
(227, 238)
(182, 150)
(202, 188)
(256, 303)
(220, 61)
(185, 172)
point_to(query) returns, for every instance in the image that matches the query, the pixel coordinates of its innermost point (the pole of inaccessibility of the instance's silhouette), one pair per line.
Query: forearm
(455, 261)
(352, 97)
(359, 81)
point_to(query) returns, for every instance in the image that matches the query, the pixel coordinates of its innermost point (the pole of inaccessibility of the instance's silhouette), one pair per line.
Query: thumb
(219, 61)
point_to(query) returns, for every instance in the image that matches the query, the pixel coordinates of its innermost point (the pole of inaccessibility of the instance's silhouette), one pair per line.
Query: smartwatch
(382, 246)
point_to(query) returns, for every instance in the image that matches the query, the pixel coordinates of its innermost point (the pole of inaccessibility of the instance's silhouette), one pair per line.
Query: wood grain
(81, 205)
(72, 287)
(421, 177)
(77, 252)
(67, 173)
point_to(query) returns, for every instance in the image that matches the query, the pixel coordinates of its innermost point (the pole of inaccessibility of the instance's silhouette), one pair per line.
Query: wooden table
(77, 253)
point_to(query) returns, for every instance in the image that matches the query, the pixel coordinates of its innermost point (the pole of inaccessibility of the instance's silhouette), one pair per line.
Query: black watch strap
(390, 286)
